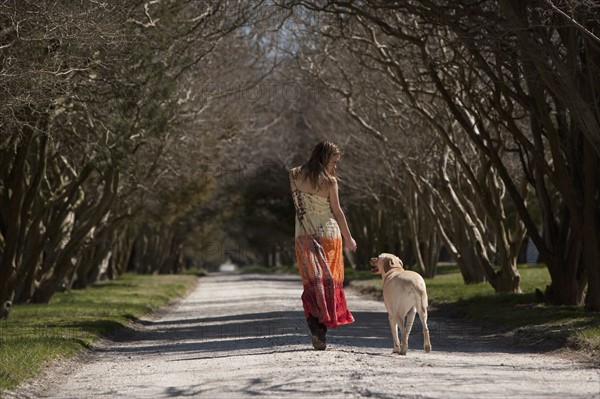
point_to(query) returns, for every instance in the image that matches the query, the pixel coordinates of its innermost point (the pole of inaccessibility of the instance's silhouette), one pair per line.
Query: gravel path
(245, 336)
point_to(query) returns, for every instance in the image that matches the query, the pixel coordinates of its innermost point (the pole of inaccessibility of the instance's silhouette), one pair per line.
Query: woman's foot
(318, 344)
(318, 331)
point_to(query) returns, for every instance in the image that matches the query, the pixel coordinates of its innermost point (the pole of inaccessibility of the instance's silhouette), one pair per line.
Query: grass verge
(532, 322)
(35, 335)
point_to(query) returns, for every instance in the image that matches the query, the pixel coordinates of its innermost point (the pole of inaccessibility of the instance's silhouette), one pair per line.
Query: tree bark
(11, 213)
(591, 228)
(52, 279)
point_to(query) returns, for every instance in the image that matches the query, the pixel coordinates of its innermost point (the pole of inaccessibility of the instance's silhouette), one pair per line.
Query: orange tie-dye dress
(320, 260)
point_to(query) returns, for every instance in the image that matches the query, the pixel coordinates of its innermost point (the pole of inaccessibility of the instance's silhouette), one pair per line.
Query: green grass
(35, 335)
(195, 271)
(522, 313)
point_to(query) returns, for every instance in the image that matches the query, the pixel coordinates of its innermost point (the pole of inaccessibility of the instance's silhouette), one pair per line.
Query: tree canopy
(143, 135)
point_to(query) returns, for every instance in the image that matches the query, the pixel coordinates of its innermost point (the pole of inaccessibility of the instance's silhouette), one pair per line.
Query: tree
(94, 122)
(535, 62)
(387, 112)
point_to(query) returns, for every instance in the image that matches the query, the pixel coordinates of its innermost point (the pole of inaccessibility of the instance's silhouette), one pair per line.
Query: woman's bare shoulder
(330, 181)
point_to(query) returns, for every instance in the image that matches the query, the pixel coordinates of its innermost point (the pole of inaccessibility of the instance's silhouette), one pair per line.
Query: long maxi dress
(320, 260)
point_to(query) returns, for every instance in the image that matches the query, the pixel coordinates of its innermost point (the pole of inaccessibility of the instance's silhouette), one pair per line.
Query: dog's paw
(396, 350)
(427, 348)
(403, 349)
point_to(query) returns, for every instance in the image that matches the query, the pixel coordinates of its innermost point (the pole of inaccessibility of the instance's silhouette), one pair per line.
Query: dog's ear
(392, 262)
(398, 262)
(388, 264)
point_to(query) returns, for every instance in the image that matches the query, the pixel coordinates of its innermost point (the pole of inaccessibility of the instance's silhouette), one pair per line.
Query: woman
(320, 226)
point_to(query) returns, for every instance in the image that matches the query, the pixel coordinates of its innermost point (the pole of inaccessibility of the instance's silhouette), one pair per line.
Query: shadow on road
(282, 331)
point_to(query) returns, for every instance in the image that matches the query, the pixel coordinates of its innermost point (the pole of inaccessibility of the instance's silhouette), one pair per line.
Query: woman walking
(320, 226)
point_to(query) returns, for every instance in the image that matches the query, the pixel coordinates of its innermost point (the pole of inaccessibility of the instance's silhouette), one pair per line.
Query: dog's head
(384, 263)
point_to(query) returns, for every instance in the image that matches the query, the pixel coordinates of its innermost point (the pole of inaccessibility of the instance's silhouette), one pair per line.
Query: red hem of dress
(342, 314)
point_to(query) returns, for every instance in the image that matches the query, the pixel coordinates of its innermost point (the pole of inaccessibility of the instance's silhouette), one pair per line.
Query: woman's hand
(350, 244)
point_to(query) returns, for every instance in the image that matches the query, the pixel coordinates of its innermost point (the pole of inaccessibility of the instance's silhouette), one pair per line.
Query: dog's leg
(394, 326)
(426, 342)
(410, 320)
(402, 335)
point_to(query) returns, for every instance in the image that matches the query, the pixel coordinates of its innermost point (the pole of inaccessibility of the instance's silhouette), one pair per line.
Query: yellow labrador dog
(404, 294)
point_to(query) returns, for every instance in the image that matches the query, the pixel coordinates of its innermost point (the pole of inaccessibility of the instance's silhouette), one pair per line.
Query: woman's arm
(338, 213)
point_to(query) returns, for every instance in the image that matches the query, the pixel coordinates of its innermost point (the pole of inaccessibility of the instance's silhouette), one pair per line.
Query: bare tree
(387, 112)
(92, 132)
(535, 60)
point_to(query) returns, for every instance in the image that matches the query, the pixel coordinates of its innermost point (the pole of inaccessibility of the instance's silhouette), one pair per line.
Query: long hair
(316, 167)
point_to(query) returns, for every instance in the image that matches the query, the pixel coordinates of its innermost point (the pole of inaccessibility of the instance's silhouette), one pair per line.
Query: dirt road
(245, 336)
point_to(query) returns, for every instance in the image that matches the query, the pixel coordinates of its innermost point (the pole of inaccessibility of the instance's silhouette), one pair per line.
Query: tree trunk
(591, 228)
(432, 255)
(471, 272)
(411, 214)
(11, 215)
(64, 263)
(567, 272)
